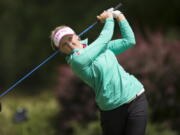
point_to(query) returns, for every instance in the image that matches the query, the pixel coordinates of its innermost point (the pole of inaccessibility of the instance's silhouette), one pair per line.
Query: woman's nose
(71, 43)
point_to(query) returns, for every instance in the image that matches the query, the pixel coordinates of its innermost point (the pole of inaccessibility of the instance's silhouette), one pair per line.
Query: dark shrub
(76, 100)
(156, 62)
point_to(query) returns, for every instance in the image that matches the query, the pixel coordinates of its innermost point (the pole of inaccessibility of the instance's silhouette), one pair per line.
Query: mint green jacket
(97, 66)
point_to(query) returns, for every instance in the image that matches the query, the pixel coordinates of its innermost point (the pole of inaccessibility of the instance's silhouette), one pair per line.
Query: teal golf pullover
(97, 65)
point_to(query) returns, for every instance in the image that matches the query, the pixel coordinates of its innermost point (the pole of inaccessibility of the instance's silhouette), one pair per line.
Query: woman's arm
(128, 40)
(87, 55)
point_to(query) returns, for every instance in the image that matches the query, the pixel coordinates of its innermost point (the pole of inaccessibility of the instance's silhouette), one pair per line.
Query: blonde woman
(119, 95)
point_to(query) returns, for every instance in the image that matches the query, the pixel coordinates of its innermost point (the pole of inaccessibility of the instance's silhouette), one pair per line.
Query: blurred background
(53, 101)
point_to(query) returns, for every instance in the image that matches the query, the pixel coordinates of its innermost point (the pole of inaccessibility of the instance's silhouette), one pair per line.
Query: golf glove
(110, 10)
(116, 13)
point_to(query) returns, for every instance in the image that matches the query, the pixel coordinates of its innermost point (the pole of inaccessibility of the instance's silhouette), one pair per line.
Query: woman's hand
(103, 16)
(118, 15)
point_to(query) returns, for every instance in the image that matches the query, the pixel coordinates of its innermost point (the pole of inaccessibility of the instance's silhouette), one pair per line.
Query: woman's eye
(70, 38)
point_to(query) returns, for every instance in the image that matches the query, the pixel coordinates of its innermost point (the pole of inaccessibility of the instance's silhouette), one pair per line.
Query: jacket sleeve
(85, 56)
(128, 40)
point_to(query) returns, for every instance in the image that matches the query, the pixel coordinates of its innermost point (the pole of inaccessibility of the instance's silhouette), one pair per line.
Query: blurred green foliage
(41, 109)
(42, 113)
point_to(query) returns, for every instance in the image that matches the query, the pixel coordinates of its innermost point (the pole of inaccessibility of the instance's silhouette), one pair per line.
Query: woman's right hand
(118, 15)
(103, 16)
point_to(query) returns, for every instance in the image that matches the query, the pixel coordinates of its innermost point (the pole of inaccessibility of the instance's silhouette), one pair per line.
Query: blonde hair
(53, 33)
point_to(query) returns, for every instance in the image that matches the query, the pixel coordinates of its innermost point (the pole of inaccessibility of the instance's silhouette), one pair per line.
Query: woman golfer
(119, 95)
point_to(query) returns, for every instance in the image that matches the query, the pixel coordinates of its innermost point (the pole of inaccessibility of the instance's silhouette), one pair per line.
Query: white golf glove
(110, 10)
(116, 13)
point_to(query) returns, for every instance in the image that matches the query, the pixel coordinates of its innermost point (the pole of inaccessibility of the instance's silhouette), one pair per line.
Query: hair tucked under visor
(53, 33)
(58, 34)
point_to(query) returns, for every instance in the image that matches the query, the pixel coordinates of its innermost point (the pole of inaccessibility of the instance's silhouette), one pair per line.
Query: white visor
(60, 34)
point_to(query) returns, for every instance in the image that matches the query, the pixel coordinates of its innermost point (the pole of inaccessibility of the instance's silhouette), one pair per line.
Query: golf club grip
(118, 6)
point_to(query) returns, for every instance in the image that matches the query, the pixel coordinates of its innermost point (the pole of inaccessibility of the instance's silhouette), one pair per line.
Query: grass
(41, 112)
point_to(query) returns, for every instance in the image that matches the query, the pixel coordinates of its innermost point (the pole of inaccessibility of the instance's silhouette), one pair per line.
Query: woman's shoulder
(74, 57)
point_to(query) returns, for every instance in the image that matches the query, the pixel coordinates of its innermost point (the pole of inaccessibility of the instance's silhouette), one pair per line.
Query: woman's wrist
(120, 17)
(105, 15)
(109, 19)
(109, 15)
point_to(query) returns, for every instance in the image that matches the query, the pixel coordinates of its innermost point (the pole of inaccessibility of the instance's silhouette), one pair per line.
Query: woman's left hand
(103, 16)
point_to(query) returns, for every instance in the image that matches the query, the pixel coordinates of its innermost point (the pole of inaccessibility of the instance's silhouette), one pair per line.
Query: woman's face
(70, 42)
